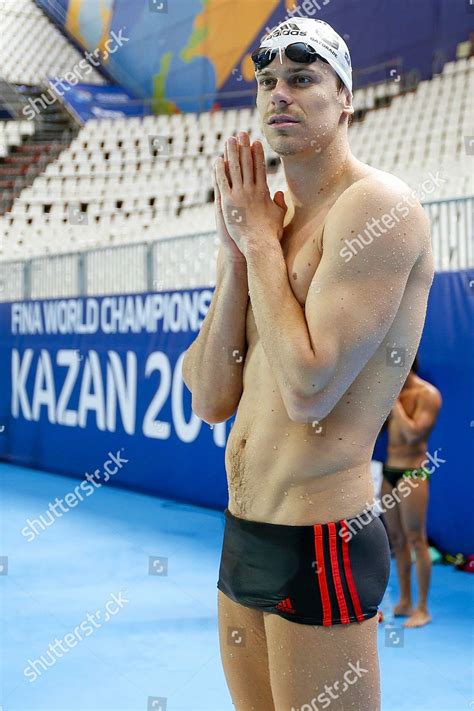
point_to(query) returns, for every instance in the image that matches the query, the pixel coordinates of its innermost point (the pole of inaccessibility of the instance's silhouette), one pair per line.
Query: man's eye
(298, 79)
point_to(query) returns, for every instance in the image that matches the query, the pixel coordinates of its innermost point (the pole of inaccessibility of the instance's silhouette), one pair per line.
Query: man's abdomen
(291, 475)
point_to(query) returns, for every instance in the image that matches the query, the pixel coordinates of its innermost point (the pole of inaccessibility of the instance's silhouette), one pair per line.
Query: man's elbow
(306, 411)
(212, 417)
(311, 397)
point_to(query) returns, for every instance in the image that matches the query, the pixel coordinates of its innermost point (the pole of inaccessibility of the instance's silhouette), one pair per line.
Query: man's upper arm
(357, 288)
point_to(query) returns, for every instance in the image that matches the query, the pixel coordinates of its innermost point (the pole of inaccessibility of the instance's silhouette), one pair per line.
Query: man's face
(306, 92)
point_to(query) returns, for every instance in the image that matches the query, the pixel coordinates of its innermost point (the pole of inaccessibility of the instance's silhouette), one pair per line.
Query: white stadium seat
(47, 52)
(111, 172)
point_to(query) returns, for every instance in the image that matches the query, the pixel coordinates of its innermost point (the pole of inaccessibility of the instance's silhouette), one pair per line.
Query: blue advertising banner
(92, 387)
(88, 101)
(88, 380)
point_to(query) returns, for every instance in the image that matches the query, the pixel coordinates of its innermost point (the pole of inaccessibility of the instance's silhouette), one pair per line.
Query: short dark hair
(415, 365)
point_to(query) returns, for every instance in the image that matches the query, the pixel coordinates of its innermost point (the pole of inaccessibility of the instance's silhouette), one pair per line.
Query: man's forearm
(214, 362)
(280, 321)
(407, 426)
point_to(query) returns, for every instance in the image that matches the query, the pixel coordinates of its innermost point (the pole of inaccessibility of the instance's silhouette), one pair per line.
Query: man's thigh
(414, 506)
(312, 666)
(392, 518)
(244, 655)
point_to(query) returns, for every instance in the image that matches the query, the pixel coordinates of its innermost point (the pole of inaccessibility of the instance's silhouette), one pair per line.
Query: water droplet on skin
(275, 447)
(286, 493)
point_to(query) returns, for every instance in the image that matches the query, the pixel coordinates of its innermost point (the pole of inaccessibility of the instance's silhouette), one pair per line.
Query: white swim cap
(319, 36)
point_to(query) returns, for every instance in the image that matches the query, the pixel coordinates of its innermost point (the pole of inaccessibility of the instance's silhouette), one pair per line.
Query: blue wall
(171, 452)
(446, 355)
(126, 396)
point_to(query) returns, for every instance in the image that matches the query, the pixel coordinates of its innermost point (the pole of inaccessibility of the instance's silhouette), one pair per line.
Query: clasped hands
(252, 218)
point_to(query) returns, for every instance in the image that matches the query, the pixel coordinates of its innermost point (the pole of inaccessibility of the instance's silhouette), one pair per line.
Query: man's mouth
(282, 119)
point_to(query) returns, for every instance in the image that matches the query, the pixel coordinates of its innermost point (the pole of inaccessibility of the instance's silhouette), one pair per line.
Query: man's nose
(281, 94)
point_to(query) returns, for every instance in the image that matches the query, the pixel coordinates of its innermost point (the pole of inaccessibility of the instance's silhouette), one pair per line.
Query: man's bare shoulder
(384, 198)
(428, 393)
(377, 187)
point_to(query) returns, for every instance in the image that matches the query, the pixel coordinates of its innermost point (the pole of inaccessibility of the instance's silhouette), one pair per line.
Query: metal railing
(189, 261)
(452, 232)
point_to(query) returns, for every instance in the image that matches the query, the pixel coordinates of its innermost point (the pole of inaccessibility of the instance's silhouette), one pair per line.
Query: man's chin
(284, 147)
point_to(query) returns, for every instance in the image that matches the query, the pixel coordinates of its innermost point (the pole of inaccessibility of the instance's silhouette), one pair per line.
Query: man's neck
(313, 178)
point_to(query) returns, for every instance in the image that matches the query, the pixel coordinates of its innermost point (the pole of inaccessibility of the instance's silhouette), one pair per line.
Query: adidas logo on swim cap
(289, 28)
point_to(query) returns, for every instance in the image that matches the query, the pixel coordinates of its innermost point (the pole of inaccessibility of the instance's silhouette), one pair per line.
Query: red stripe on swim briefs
(348, 572)
(336, 575)
(321, 574)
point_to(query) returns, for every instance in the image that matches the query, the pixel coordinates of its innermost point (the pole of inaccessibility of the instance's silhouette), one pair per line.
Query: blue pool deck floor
(123, 588)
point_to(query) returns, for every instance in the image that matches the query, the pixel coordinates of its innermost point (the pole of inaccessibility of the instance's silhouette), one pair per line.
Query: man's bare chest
(302, 251)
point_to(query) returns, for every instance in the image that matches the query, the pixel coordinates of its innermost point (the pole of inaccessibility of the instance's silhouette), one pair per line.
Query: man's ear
(347, 101)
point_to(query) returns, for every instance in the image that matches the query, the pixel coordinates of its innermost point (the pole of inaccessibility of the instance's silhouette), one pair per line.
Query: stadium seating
(37, 50)
(12, 134)
(138, 179)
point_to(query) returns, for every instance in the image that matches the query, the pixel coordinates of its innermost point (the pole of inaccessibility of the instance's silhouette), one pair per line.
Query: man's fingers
(246, 160)
(234, 161)
(259, 166)
(217, 192)
(226, 159)
(221, 178)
